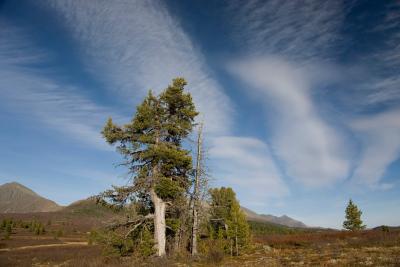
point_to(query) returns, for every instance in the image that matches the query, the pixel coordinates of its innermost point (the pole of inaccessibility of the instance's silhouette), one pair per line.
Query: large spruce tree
(152, 147)
(353, 220)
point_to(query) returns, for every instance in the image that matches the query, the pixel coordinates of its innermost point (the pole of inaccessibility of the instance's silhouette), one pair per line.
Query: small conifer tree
(226, 214)
(353, 220)
(146, 244)
(8, 229)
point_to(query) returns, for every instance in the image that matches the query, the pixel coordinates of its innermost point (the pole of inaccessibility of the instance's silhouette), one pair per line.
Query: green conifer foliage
(227, 215)
(8, 229)
(151, 144)
(353, 220)
(154, 137)
(146, 244)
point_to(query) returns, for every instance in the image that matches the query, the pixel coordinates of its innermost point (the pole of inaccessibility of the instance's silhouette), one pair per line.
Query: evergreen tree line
(34, 226)
(7, 225)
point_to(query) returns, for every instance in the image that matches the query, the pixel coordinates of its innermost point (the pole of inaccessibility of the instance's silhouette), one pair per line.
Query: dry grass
(47, 256)
(332, 238)
(325, 248)
(367, 256)
(16, 242)
(315, 248)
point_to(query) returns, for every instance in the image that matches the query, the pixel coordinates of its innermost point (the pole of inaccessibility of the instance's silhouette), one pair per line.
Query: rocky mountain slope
(282, 220)
(16, 198)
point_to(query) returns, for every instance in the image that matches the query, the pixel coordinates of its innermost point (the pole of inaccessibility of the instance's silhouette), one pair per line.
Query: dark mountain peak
(17, 198)
(17, 186)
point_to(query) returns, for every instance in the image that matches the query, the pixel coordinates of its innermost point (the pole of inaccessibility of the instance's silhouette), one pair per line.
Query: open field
(296, 248)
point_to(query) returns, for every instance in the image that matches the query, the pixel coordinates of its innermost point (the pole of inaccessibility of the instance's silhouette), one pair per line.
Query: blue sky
(301, 99)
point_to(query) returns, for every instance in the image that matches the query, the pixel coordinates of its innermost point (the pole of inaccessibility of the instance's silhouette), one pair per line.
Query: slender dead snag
(195, 221)
(236, 240)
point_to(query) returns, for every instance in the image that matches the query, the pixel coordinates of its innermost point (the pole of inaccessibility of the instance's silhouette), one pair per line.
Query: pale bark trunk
(195, 194)
(236, 241)
(194, 233)
(159, 222)
(159, 212)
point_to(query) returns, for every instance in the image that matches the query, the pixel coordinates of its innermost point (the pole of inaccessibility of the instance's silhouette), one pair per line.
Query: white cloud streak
(28, 91)
(133, 46)
(297, 36)
(380, 136)
(299, 30)
(311, 150)
(384, 60)
(246, 163)
(286, 40)
(44, 100)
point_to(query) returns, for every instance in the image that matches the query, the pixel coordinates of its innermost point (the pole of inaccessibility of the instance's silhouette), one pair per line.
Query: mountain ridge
(17, 198)
(281, 220)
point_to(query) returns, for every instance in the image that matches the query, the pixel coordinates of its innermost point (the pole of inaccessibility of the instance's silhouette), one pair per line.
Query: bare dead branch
(139, 219)
(133, 229)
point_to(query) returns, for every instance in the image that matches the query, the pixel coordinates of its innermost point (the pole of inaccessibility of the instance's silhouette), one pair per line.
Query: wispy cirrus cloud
(379, 135)
(29, 91)
(310, 149)
(379, 89)
(246, 163)
(133, 46)
(286, 43)
(44, 100)
(299, 30)
(292, 50)
(384, 60)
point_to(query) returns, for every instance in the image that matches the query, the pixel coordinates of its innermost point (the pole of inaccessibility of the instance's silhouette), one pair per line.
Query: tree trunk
(159, 210)
(196, 193)
(159, 222)
(236, 240)
(194, 232)
(231, 247)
